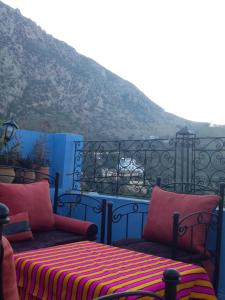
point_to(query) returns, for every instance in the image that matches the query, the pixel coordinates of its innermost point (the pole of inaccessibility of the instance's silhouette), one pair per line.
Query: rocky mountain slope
(46, 85)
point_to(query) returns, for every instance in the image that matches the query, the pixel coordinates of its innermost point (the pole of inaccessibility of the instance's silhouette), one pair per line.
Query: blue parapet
(27, 139)
(61, 153)
(63, 157)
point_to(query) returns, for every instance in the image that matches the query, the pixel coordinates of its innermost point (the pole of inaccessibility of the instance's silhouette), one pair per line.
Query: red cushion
(163, 204)
(10, 291)
(18, 229)
(32, 197)
(77, 226)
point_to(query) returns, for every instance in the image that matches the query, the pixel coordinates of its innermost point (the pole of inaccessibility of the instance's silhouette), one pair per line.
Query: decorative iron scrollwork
(129, 167)
(128, 209)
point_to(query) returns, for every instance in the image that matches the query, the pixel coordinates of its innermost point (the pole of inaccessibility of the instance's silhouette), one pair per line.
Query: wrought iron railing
(130, 168)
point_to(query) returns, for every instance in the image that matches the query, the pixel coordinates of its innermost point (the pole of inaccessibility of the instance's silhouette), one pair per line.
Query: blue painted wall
(60, 149)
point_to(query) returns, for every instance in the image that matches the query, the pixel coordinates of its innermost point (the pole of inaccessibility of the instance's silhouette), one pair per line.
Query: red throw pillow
(33, 198)
(163, 204)
(10, 291)
(18, 229)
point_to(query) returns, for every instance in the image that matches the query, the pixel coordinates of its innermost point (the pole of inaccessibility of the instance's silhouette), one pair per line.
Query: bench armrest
(81, 227)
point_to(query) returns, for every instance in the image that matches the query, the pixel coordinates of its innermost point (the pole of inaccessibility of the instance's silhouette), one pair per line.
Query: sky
(173, 51)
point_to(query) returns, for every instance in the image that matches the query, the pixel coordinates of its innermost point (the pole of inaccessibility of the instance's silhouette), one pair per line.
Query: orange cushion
(18, 229)
(163, 204)
(33, 198)
(10, 291)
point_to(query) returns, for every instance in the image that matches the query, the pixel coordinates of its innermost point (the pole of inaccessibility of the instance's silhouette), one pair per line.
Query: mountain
(47, 85)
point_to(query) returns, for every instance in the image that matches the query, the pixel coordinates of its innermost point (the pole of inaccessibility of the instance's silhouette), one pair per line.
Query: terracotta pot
(29, 176)
(7, 174)
(42, 173)
(19, 175)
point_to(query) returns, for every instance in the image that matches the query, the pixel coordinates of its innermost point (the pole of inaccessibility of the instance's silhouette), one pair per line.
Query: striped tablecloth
(85, 270)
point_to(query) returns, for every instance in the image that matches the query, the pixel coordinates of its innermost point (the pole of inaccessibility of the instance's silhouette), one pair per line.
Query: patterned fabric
(85, 270)
(18, 229)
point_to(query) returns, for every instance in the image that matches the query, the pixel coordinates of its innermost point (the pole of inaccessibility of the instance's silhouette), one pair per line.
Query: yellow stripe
(20, 282)
(202, 296)
(37, 281)
(197, 269)
(185, 298)
(199, 282)
(46, 280)
(55, 280)
(29, 280)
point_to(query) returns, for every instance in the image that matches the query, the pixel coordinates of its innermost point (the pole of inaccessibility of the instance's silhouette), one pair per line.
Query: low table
(86, 270)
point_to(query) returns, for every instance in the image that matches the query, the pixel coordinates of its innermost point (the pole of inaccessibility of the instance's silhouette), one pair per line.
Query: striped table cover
(85, 270)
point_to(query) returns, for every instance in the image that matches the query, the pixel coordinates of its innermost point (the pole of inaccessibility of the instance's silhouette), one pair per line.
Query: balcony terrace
(124, 172)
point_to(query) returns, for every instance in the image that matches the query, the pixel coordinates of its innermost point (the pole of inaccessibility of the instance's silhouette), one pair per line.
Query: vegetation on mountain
(46, 85)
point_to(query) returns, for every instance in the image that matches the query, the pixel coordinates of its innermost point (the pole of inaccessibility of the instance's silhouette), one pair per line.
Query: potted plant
(40, 158)
(26, 172)
(7, 173)
(9, 155)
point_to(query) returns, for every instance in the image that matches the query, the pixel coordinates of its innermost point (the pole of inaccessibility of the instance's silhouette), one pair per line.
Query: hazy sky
(174, 51)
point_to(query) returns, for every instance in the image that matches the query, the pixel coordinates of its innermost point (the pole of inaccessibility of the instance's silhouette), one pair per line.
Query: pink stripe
(203, 290)
(18, 265)
(187, 292)
(33, 277)
(69, 287)
(60, 283)
(25, 273)
(50, 283)
(193, 277)
(41, 282)
(105, 289)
